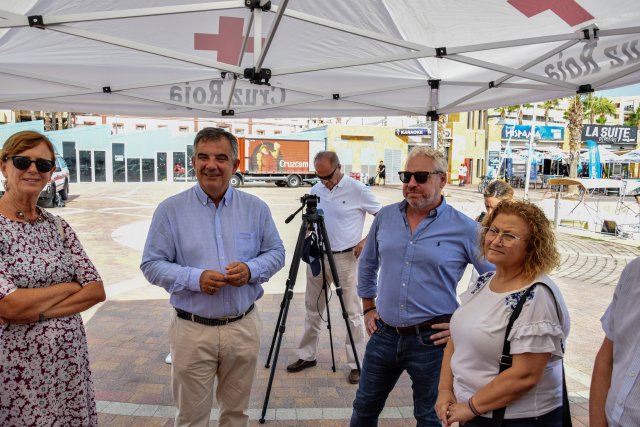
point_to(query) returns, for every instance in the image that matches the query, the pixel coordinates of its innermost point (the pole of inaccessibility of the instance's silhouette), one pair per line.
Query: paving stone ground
(128, 340)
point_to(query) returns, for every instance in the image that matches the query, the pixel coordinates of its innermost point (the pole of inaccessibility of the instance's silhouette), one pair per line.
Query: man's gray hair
(334, 161)
(433, 154)
(211, 134)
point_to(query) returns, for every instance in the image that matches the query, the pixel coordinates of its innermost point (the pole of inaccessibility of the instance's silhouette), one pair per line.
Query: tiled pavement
(128, 334)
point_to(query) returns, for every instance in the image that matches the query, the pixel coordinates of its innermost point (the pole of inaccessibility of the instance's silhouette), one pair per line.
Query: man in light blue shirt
(211, 247)
(614, 400)
(415, 255)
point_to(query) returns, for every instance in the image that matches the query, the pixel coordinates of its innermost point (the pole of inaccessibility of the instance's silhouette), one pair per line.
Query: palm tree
(598, 106)
(634, 118)
(442, 121)
(548, 106)
(575, 116)
(513, 109)
(521, 108)
(503, 113)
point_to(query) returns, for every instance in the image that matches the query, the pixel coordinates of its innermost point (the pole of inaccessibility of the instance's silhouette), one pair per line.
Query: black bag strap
(506, 360)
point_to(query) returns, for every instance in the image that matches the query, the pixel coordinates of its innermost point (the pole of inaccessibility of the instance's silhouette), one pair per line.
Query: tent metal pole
(512, 71)
(242, 52)
(527, 176)
(272, 32)
(142, 47)
(42, 78)
(501, 80)
(140, 12)
(352, 30)
(454, 50)
(352, 63)
(257, 35)
(618, 75)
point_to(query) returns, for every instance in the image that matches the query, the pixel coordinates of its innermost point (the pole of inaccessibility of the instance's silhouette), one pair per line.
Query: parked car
(58, 184)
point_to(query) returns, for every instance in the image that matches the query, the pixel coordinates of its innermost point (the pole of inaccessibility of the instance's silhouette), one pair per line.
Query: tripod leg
(325, 289)
(275, 332)
(336, 283)
(284, 311)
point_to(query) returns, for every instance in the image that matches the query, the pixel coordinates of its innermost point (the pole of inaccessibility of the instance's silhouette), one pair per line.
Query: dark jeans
(550, 419)
(386, 357)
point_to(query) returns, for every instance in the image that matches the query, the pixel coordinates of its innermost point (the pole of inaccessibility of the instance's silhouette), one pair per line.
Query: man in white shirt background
(345, 203)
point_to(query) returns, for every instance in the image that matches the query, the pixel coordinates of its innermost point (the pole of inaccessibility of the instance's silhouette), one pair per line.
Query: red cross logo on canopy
(568, 10)
(228, 41)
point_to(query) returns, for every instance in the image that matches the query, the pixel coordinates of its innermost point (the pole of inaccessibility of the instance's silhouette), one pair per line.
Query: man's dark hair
(212, 134)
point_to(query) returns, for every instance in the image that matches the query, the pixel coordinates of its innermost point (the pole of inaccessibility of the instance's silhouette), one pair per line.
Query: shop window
(183, 129)
(141, 127)
(479, 167)
(260, 132)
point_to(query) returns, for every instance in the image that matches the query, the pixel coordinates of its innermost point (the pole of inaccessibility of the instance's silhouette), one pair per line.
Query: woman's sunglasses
(23, 163)
(420, 177)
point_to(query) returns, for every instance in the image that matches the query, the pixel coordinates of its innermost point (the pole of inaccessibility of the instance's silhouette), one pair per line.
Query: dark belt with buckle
(211, 322)
(421, 327)
(344, 251)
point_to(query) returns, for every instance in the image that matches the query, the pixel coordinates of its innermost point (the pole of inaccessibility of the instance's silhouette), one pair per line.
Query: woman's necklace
(23, 217)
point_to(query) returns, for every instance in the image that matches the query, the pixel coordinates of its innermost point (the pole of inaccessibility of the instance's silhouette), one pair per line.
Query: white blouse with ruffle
(478, 328)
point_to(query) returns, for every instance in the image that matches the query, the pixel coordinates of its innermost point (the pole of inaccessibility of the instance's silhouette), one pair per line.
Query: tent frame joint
(434, 83)
(433, 115)
(106, 89)
(261, 77)
(255, 4)
(441, 52)
(336, 96)
(582, 89)
(228, 113)
(37, 21)
(591, 33)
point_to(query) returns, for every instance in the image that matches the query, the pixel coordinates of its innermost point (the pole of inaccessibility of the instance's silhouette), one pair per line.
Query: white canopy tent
(632, 156)
(320, 58)
(606, 156)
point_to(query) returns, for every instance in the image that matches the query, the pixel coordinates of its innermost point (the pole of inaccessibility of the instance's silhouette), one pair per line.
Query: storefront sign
(610, 134)
(494, 159)
(523, 133)
(419, 132)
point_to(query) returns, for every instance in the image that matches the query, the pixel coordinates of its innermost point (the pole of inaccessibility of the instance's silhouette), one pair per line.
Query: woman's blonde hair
(542, 254)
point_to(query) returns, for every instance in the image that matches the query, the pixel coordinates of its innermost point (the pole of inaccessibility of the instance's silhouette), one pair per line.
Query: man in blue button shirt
(211, 247)
(614, 400)
(415, 255)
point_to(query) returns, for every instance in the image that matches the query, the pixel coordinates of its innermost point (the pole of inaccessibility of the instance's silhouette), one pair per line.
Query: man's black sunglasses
(328, 177)
(23, 163)
(420, 177)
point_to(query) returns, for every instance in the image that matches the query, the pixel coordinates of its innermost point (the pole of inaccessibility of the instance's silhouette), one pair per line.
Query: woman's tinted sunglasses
(23, 163)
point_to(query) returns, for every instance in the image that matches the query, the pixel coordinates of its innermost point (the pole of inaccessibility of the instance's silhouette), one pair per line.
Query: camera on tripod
(310, 201)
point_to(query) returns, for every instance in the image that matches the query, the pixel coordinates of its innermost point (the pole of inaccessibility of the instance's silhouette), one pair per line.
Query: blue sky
(621, 91)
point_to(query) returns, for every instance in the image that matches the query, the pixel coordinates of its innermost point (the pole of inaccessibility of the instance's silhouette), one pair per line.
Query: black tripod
(309, 218)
